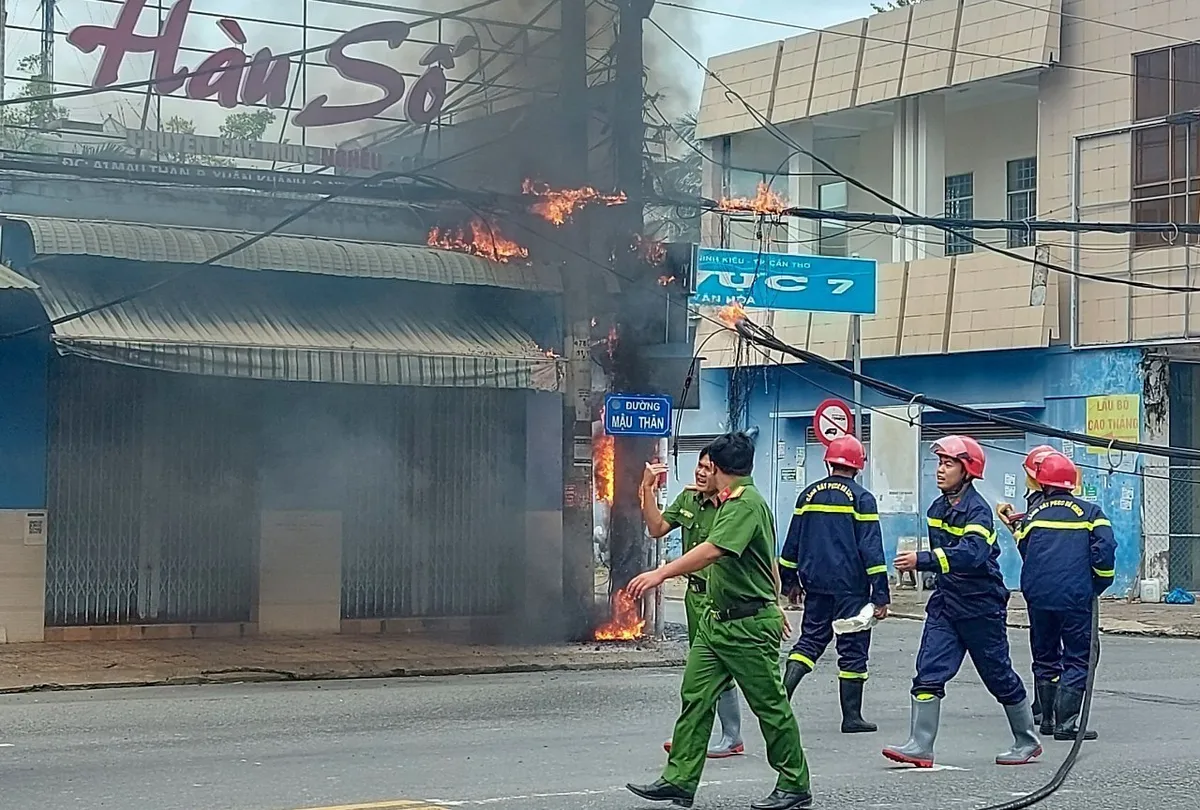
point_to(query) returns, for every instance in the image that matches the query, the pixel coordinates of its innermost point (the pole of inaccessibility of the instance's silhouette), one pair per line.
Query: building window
(1022, 199)
(1166, 158)
(834, 237)
(960, 204)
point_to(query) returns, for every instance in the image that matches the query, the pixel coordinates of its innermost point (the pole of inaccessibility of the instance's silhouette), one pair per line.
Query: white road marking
(935, 768)
(562, 795)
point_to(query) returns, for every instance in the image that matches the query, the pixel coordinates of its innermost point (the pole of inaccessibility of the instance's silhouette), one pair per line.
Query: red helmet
(846, 451)
(964, 449)
(1058, 471)
(1035, 458)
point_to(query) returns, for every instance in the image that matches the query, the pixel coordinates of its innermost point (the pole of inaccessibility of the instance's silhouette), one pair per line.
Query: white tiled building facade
(989, 109)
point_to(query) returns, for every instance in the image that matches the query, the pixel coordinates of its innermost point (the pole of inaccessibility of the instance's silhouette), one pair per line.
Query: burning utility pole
(578, 563)
(628, 552)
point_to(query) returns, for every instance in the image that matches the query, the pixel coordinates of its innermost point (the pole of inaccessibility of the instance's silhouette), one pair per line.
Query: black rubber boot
(851, 693)
(1067, 705)
(793, 674)
(1037, 707)
(918, 751)
(662, 791)
(1047, 693)
(783, 800)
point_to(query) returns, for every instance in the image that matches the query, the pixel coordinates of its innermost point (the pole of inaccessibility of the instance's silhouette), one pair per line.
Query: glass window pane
(1151, 211)
(1022, 174)
(1151, 160)
(832, 196)
(1152, 86)
(1185, 85)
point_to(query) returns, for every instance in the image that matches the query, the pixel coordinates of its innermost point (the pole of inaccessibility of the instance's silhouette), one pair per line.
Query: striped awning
(286, 327)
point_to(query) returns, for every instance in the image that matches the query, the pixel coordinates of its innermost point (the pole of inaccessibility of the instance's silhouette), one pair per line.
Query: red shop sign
(235, 79)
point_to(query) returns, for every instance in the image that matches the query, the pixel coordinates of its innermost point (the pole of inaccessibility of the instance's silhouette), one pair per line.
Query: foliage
(243, 126)
(679, 175)
(892, 5)
(24, 125)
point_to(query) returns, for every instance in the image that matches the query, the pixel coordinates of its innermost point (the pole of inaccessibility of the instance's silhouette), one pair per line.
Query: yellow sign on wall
(1114, 416)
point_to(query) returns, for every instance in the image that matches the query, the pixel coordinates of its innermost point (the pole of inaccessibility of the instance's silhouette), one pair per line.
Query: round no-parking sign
(832, 419)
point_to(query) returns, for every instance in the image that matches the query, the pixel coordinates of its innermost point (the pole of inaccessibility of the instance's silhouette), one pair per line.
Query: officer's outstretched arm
(1104, 553)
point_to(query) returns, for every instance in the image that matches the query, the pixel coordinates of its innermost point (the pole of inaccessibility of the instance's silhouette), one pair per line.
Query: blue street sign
(637, 415)
(785, 281)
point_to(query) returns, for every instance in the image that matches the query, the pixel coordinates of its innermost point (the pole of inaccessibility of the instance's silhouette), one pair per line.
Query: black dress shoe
(663, 791)
(783, 800)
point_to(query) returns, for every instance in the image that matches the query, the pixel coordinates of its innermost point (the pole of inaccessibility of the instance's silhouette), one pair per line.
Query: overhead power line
(790, 142)
(757, 335)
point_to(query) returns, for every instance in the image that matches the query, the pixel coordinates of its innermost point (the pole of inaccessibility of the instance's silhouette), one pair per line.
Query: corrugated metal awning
(12, 280)
(231, 323)
(304, 254)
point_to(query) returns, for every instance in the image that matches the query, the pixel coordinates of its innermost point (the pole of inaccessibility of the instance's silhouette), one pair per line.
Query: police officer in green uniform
(738, 639)
(692, 513)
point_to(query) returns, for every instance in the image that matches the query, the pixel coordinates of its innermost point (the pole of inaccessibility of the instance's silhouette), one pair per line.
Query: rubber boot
(1067, 706)
(918, 751)
(1047, 691)
(1026, 746)
(1037, 707)
(851, 693)
(793, 674)
(730, 713)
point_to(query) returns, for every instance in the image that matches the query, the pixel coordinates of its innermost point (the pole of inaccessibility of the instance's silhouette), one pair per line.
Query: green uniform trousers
(745, 651)
(695, 605)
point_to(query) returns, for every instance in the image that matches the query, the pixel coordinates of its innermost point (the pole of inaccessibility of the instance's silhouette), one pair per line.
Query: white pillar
(802, 192)
(919, 172)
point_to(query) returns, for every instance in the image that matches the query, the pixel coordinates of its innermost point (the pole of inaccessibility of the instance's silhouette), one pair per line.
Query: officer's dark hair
(732, 454)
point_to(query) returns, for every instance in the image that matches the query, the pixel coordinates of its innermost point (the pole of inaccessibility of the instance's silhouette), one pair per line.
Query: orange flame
(666, 281)
(765, 201)
(602, 465)
(732, 314)
(479, 238)
(651, 251)
(557, 206)
(626, 623)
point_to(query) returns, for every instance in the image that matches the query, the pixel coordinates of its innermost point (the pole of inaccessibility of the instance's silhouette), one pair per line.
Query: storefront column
(919, 172)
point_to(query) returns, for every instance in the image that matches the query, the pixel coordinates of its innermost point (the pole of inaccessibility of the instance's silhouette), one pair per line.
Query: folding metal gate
(434, 519)
(152, 497)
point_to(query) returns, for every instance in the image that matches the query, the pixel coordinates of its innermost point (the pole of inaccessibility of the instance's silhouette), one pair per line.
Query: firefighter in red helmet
(1013, 520)
(967, 611)
(1069, 551)
(834, 552)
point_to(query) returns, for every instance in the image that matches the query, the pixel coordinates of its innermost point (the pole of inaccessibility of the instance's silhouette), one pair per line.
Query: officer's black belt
(742, 610)
(698, 584)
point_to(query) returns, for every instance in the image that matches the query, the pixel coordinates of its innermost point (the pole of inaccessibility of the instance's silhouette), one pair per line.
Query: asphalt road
(570, 740)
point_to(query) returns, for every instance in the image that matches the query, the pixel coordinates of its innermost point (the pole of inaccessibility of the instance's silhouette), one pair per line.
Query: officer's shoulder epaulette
(736, 493)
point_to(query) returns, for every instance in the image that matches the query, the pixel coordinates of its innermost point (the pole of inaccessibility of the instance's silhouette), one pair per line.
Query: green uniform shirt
(745, 530)
(694, 513)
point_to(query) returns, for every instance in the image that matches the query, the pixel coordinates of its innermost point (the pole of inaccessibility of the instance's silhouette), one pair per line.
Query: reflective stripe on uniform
(876, 569)
(803, 659)
(837, 509)
(1061, 525)
(1104, 572)
(852, 676)
(970, 528)
(787, 563)
(943, 561)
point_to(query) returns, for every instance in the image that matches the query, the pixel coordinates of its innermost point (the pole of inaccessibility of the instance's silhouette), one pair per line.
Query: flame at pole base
(603, 460)
(626, 623)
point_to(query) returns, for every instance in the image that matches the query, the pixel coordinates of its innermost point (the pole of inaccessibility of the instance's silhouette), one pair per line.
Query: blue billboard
(785, 281)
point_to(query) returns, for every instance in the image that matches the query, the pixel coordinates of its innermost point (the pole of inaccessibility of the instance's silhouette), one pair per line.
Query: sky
(712, 35)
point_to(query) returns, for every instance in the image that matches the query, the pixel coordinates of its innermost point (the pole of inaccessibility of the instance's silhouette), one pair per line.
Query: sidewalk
(83, 664)
(1117, 617)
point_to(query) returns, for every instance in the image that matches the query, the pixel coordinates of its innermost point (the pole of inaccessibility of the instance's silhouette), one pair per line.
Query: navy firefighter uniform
(966, 613)
(1069, 551)
(834, 551)
(1006, 513)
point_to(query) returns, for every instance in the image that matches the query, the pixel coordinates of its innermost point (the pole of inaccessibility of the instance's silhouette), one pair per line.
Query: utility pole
(48, 42)
(629, 549)
(578, 574)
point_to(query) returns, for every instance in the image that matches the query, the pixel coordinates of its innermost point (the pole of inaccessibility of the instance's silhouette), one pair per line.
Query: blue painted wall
(1048, 385)
(23, 404)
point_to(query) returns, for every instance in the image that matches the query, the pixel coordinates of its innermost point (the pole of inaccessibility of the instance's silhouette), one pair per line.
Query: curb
(1130, 632)
(252, 675)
